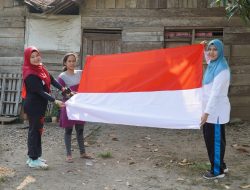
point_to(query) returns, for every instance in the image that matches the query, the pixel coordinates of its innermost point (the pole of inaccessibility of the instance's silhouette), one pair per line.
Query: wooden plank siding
(238, 40)
(11, 22)
(121, 4)
(53, 61)
(121, 22)
(8, 3)
(155, 13)
(12, 27)
(139, 39)
(12, 12)
(145, 4)
(1, 5)
(11, 64)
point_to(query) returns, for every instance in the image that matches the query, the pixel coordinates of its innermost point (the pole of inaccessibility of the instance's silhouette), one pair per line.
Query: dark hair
(65, 58)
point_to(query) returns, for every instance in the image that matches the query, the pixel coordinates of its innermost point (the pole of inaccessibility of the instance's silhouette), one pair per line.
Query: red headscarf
(38, 70)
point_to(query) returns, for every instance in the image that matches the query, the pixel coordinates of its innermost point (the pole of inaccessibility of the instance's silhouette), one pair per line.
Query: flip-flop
(69, 160)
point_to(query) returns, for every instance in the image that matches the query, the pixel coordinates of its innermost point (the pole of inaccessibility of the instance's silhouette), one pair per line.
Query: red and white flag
(156, 88)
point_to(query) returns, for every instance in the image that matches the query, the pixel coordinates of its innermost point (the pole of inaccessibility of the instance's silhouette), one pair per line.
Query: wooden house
(114, 26)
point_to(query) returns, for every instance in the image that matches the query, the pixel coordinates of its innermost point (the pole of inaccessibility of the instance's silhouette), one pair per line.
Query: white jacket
(215, 99)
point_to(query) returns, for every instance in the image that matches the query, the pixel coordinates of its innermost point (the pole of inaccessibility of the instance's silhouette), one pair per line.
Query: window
(180, 37)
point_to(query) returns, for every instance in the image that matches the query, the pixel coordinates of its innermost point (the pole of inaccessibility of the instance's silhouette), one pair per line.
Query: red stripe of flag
(155, 70)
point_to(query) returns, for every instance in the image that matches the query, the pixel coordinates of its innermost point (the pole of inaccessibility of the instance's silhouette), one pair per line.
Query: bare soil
(138, 158)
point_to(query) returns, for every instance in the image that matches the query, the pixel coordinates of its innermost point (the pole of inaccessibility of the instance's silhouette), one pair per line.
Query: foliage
(105, 155)
(55, 110)
(233, 7)
(2, 179)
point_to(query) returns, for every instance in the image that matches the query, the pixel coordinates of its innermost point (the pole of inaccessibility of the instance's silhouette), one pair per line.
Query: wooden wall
(12, 23)
(238, 40)
(142, 24)
(53, 61)
(12, 40)
(144, 4)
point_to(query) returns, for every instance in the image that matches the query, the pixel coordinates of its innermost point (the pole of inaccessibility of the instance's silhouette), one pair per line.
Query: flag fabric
(157, 88)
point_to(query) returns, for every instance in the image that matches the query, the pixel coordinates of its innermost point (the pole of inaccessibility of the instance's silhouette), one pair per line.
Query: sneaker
(28, 161)
(226, 170)
(42, 160)
(37, 164)
(209, 175)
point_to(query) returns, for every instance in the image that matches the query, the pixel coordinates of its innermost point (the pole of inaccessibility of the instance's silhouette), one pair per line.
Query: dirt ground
(141, 159)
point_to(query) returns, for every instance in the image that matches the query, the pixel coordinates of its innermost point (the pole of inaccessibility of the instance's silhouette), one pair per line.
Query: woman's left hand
(59, 103)
(204, 119)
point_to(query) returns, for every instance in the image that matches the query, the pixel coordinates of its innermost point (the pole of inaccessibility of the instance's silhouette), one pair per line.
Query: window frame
(178, 34)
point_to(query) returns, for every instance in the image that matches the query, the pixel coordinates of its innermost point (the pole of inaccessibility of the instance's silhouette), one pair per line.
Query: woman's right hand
(203, 119)
(59, 103)
(204, 42)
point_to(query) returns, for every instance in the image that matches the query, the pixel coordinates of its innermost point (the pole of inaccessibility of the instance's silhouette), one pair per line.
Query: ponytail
(64, 68)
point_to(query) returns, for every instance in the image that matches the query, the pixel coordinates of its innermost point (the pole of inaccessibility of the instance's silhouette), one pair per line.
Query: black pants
(34, 137)
(214, 136)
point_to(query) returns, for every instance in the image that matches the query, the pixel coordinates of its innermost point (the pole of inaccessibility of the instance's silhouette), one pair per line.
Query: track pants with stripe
(214, 136)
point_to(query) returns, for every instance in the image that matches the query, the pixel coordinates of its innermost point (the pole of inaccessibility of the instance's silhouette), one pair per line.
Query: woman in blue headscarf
(216, 108)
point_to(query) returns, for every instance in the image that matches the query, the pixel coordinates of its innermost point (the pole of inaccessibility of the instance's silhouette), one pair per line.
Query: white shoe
(37, 164)
(42, 160)
(226, 170)
(28, 161)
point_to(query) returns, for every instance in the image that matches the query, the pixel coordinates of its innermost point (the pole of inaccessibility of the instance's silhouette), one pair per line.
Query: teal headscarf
(215, 66)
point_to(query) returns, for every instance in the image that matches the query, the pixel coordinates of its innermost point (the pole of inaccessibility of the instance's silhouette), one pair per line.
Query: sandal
(69, 159)
(86, 156)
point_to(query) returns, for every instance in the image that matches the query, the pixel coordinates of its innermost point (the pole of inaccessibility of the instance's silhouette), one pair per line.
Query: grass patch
(105, 155)
(200, 166)
(2, 179)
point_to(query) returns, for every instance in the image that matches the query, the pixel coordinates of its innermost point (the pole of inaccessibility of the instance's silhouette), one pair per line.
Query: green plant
(105, 155)
(54, 111)
(236, 7)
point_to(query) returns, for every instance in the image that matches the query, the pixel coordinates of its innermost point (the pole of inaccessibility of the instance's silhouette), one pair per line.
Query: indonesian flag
(156, 88)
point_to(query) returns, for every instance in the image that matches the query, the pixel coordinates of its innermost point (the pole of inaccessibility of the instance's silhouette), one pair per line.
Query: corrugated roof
(51, 6)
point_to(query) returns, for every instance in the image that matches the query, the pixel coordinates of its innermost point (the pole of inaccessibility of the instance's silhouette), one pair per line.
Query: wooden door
(101, 42)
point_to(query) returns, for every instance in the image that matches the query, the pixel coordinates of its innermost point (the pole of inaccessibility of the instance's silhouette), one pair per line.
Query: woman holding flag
(216, 108)
(35, 91)
(70, 78)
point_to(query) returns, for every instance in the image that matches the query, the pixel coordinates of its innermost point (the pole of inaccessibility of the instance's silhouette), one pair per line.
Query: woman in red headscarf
(36, 89)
